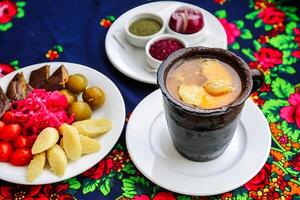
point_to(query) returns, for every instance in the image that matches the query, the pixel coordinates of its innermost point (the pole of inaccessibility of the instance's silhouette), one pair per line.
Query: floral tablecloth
(266, 33)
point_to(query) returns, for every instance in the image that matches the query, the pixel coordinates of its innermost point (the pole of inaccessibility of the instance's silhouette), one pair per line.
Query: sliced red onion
(186, 20)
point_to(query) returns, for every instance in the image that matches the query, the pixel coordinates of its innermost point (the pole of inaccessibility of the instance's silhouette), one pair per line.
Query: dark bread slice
(39, 76)
(17, 88)
(58, 80)
(4, 102)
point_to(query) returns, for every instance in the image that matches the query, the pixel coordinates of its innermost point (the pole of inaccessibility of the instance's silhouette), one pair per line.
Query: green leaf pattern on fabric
(271, 109)
(281, 88)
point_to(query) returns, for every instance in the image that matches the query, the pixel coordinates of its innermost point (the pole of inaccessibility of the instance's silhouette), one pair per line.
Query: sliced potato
(36, 166)
(71, 141)
(89, 145)
(190, 94)
(57, 160)
(217, 87)
(93, 127)
(45, 140)
(61, 142)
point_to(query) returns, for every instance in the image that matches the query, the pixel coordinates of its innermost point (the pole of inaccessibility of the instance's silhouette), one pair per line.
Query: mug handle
(258, 79)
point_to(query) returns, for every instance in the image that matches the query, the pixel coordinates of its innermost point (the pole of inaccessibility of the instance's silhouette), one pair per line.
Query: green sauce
(145, 27)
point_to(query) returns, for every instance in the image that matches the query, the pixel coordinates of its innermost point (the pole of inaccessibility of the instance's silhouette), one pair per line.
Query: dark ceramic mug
(204, 134)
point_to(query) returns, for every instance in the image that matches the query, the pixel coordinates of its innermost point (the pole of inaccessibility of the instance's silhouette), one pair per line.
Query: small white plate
(151, 149)
(113, 109)
(131, 60)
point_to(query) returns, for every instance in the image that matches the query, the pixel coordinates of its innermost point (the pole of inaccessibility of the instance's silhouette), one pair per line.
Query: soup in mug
(205, 83)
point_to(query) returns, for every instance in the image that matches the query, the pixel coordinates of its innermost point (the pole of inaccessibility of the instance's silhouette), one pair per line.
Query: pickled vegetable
(71, 98)
(81, 110)
(77, 83)
(94, 96)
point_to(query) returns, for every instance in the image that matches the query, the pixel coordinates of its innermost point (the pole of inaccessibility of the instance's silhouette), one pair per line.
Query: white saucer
(151, 149)
(131, 60)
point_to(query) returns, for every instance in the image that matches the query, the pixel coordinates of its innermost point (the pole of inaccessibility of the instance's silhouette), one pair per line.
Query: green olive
(81, 110)
(71, 98)
(94, 96)
(77, 83)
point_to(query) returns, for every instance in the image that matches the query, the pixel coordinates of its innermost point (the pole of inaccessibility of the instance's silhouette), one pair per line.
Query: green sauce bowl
(140, 40)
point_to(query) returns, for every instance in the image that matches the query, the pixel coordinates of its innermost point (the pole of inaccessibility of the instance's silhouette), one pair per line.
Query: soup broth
(205, 83)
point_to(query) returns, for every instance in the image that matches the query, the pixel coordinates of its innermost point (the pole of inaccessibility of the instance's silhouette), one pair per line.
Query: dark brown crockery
(204, 134)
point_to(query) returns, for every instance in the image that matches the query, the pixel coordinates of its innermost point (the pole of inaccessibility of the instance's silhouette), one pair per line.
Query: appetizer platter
(141, 38)
(56, 121)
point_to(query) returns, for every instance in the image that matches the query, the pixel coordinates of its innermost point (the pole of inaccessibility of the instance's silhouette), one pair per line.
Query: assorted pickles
(70, 142)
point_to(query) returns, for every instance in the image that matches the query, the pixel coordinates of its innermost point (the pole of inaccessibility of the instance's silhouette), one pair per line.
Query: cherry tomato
(21, 157)
(2, 124)
(8, 117)
(10, 132)
(6, 151)
(32, 139)
(21, 141)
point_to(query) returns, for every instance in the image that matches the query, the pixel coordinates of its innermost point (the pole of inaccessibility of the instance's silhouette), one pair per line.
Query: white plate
(113, 109)
(151, 150)
(131, 60)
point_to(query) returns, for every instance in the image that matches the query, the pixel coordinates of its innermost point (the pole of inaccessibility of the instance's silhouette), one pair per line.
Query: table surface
(266, 33)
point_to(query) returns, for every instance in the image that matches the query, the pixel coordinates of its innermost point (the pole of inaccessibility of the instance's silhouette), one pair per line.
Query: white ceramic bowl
(153, 62)
(191, 39)
(141, 41)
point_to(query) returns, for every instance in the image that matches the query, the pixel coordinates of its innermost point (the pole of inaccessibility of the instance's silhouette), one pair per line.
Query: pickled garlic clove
(190, 94)
(218, 87)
